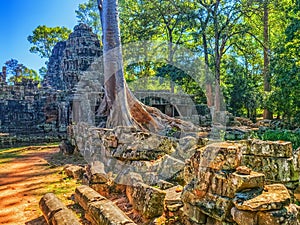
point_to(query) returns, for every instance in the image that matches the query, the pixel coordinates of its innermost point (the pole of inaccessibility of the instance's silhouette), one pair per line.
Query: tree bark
(119, 104)
(208, 81)
(115, 101)
(267, 85)
(217, 59)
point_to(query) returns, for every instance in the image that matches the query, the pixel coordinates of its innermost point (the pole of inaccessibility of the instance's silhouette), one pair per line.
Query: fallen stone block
(100, 210)
(134, 152)
(286, 215)
(173, 198)
(64, 217)
(226, 185)
(241, 182)
(55, 212)
(150, 178)
(169, 167)
(96, 173)
(278, 149)
(217, 156)
(124, 134)
(102, 189)
(105, 212)
(85, 195)
(243, 170)
(244, 217)
(130, 178)
(275, 169)
(215, 206)
(74, 171)
(149, 201)
(194, 214)
(273, 197)
(163, 185)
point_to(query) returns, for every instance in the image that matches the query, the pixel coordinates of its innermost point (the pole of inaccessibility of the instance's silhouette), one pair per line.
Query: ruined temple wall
(31, 113)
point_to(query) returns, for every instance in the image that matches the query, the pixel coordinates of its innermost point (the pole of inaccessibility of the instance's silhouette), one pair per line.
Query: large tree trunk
(267, 85)
(115, 103)
(217, 59)
(170, 58)
(208, 81)
(119, 104)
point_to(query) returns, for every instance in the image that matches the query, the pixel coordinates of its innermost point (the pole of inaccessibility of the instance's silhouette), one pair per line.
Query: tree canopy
(44, 38)
(88, 13)
(17, 72)
(250, 47)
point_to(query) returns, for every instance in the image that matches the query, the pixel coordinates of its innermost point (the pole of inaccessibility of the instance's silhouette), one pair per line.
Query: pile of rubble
(160, 180)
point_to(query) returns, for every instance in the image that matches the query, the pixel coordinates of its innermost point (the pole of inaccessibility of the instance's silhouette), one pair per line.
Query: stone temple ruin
(161, 180)
(32, 114)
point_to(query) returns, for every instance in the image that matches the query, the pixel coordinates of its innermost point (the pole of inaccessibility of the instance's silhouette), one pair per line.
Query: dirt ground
(23, 181)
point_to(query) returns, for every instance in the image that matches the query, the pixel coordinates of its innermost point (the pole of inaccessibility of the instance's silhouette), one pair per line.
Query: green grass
(7, 155)
(282, 135)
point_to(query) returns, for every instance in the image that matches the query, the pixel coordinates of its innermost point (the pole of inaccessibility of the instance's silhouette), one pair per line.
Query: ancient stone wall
(30, 114)
(23, 117)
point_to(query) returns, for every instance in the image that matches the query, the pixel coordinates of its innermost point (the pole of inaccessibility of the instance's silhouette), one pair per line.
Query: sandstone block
(243, 170)
(64, 217)
(55, 212)
(85, 195)
(136, 145)
(241, 182)
(272, 148)
(226, 185)
(275, 169)
(173, 198)
(194, 214)
(50, 204)
(273, 197)
(130, 178)
(215, 206)
(74, 171)
(186, 147)
(125, 134)
(244, 217)
(286, 215)
(218, 156)
(133, 152)
(169, 167)
(106, 212)
(149, 201)
(96, 173)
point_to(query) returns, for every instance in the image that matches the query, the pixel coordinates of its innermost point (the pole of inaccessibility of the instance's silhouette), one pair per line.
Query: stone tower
(54, 78)
(72, 57)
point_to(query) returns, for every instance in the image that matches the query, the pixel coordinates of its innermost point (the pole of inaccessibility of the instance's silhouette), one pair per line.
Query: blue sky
(18, 18)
